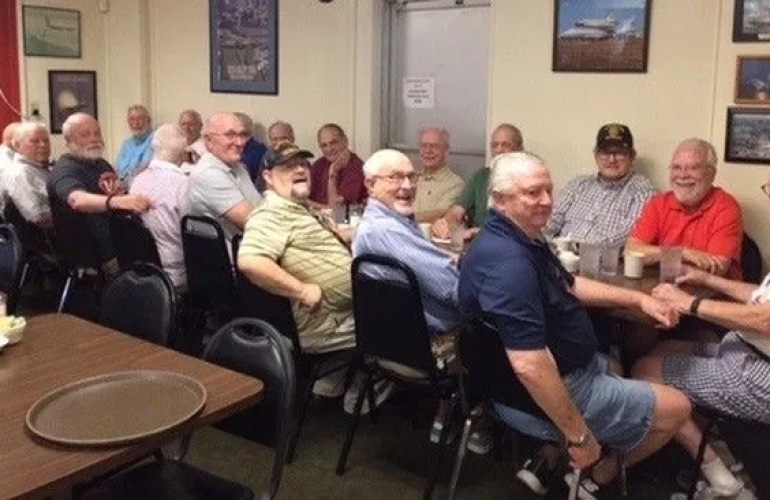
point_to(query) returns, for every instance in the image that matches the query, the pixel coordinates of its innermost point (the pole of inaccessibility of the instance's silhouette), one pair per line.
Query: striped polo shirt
(298, 239)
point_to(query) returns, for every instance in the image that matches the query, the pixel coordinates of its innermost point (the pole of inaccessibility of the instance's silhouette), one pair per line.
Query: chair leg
(307, 394)
(460, 457)
(573, 491)
(342, 461)
(23, 278)
(699, 458)
(65, 293)
(442, 446)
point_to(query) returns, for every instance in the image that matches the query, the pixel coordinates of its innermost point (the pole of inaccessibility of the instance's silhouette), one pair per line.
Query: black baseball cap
(614, 134)
(282, 153)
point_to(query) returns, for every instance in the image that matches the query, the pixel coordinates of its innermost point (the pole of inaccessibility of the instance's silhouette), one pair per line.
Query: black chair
(390, 326)
(141, 303)
(36, 242)
(132, 241)
(210, 278)
(248, 346)
(751, 260)
(10, 266)
(747, 440)
(255, 302)
(487, 376)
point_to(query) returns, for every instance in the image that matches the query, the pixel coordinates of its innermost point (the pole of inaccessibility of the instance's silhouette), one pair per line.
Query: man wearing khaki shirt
(438, 187)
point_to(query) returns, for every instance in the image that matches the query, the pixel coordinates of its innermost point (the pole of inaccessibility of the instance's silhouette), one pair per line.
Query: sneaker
(588, 489)
(332, 385)
(480, 442)
(723, 482)
(382, 390)
(536, 475)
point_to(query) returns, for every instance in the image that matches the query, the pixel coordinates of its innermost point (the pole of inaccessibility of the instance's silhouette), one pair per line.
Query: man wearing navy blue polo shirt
(511, 279)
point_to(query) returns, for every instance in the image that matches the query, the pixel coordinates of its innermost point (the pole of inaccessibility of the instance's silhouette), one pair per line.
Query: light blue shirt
(134, 152)
(383, 231)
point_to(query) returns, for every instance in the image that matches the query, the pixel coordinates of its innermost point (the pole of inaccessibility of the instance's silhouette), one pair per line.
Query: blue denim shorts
(618, 411)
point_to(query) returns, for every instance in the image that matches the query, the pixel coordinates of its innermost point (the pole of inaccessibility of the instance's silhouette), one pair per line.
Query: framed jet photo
(601, 36)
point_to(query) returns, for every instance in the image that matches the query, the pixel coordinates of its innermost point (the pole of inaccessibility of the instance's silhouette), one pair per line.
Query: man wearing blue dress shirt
(136, 150)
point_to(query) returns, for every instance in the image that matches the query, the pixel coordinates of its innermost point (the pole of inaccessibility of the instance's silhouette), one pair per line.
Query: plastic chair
(248, 346)
(390, 326)
(132, 241)
(10, 266)
(255, 302)
(141, 303)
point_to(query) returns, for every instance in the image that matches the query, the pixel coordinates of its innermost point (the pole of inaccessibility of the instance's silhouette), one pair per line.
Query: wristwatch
(581, 442)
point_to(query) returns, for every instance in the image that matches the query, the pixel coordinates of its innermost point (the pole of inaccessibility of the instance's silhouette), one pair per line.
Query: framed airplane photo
(601, 36)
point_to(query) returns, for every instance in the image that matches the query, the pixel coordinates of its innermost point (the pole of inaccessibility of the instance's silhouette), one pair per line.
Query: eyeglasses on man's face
(398, 177)
(618, 155)
(232, 135)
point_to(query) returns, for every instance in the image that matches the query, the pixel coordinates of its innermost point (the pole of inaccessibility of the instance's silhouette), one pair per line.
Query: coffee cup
(569, 260)
(425, 228)
(563, 244)
(633, 264)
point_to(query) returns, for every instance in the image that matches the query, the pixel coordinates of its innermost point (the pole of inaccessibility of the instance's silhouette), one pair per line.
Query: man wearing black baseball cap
(602, 207)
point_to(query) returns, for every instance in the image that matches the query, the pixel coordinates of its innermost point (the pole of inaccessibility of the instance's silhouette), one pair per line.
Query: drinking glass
(590, 258)
(670, 264)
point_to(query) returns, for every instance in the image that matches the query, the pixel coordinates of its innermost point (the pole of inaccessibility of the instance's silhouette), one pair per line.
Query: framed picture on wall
(244, 46)
(751, 21)
(748, 135)
(752, 80)
(601, 36)
(70, 92)
(51, 32)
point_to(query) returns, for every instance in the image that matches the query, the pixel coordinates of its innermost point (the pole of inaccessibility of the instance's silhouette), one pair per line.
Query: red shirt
(350, 181)
(715, 227)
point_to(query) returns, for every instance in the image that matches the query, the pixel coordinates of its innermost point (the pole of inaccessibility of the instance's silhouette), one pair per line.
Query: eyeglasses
(399, 177)
(231, 135)
(766, 189)
(690, 169)
(619, 155)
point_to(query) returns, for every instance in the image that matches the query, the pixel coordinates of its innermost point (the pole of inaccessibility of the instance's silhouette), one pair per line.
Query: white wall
(157, 52)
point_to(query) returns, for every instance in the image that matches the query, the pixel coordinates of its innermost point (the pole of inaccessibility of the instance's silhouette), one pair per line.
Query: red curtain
(9, 63)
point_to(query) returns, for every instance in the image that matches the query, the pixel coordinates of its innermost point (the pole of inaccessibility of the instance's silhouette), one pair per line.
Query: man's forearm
(737, 290)
(266, 274)
(537, 372)
(89, 203)
(598, 294)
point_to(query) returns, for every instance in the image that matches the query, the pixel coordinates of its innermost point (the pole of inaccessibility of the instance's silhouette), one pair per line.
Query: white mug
(633, 264)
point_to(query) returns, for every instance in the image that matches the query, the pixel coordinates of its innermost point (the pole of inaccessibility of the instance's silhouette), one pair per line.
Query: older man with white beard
(24, 181)
(83, 183)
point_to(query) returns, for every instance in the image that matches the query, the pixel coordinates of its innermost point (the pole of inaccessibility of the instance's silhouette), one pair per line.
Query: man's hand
(693, 276)
(661, 311)
(584, 457)
(135, 203)
(109, 184)
(702, 260)
(311, 296)
(673, 296)
(440, 228)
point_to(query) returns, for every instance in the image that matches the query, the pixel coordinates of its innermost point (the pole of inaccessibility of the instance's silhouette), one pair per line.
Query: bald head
(8, 132)
(83, 136)
(391, 180)
(225, 137)
(383, 160)
(31, 140)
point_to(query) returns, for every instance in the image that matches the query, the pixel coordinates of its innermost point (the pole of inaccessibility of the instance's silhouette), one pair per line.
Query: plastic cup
(633, 265)
(670, 264)
(425, 228)
(590, 259)
(457, 238)
(608, 266)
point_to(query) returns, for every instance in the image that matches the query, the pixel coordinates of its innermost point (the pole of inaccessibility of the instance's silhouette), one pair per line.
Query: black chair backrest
(132, 241)
(488, 375)
(255, 348)
(390, 321)
(10, 266)
(141, 303)
(34, 240)
(210, 278)
(751, 260)
(74, 241)
(255, 302)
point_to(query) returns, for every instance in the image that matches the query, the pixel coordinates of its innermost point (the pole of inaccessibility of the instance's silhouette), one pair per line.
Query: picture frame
(748, 135)
(601, 36)
(752, 80)
(70, 92)
(751, 21)
(244, 46)
(50, 32)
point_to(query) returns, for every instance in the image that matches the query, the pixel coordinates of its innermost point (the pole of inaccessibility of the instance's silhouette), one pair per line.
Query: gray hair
(442, 132)
(518, 139)
(139, 107)
(72, 122)
(25, 129)
(246, 121)
(506, 169)
(168, 142)
(210, 122)
(196, 116)
(382, 159)
(706, 147)
(280, 123)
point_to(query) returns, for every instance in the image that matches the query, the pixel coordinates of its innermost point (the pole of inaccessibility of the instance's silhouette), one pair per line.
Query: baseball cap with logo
(614, 134)
(282, 153)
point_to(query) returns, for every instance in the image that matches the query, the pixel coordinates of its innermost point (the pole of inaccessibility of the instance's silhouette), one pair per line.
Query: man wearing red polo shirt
(694, 214)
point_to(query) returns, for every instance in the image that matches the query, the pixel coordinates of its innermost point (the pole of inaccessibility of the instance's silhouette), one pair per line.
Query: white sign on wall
(419, 92)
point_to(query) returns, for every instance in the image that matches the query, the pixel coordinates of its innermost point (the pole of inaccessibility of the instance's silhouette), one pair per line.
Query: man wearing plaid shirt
(603, 207)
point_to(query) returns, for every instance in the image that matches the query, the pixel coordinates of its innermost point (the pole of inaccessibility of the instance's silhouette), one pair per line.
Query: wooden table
(58, 349)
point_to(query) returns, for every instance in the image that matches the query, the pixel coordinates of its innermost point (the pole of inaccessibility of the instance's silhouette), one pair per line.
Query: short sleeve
(216, 190)
(264, 236)
(727, 231)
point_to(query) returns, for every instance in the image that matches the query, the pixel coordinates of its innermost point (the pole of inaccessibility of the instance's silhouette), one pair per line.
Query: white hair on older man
(24, 130)
(168, 143)
(71, 123)
(441, 131)
(507, 169)
(382, 159)
(704, 146)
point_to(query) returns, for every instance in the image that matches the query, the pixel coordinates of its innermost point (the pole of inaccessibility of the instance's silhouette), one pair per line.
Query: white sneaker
(382, 390)
(723, 482)
(332, 385)
(480, 442)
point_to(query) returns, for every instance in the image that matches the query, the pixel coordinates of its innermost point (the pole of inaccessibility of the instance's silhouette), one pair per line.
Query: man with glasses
(693, 214)
(220, 186)
(603, 207)
(438, 187)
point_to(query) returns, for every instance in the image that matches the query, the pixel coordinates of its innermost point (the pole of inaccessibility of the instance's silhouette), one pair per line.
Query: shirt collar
(140, 139)
(159, 164)
(436, 174)
(279, 201)
(705, 204)
(615, 184)
(378, 208)
(500, 224)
